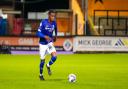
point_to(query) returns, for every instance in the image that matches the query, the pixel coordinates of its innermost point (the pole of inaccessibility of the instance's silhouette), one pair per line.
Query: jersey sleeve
(39, 32)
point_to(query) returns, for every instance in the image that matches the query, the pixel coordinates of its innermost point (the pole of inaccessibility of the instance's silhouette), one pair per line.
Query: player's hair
(51, 11)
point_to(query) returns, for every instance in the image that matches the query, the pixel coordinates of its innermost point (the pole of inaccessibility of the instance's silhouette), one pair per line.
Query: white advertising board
(100, 44)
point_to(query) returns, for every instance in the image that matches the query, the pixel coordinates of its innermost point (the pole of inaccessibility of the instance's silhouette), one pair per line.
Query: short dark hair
(51, 11)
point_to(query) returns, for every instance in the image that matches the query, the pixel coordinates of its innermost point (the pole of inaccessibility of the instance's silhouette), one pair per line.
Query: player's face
(52, 16)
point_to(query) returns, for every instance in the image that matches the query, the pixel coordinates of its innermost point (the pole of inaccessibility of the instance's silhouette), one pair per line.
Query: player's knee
(54, 54)
(42, 57)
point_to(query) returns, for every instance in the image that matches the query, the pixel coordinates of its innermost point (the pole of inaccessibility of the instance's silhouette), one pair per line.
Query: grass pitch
(93, 71)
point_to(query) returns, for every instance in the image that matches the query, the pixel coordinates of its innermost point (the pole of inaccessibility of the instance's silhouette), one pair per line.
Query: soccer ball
(71, 77)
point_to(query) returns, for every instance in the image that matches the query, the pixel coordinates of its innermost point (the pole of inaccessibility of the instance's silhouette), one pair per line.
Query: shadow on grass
(55, 79)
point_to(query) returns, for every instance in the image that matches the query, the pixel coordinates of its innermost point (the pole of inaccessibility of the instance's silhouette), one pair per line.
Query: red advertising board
(34, 41)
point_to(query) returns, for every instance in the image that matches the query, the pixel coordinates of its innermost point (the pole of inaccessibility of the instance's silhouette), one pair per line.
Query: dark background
(36, 5)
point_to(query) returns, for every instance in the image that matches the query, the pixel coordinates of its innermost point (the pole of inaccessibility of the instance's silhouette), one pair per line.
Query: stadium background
(84, 26)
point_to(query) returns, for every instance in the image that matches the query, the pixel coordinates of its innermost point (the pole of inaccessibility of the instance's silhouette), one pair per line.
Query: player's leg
(42, 49)
(41, 69)
(52, 51)
(53, 58)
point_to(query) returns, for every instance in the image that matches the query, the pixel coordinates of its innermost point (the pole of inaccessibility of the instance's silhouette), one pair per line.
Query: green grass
(93, 71)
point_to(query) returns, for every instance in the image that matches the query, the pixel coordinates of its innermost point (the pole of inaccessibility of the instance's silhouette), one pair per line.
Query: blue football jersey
(46, 28)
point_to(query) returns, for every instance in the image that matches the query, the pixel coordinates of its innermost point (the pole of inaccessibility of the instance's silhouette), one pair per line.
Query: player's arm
(55, 38)
(40, 34)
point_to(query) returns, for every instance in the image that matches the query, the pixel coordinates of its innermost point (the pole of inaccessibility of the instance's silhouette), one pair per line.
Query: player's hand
(47, 38)
(54, 39)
